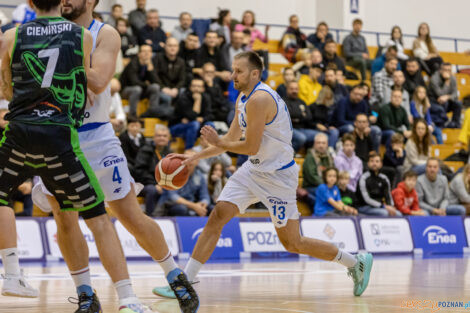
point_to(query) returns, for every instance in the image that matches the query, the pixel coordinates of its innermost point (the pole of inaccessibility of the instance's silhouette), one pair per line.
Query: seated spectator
(314, 58)
(444, 95)
(116, 13)
(229, 51)
(347, 195)
(340, 91)
(425, 50)
(394, 159)
(420, 108)
(222, 25)
(405, 196)
(139, 80)
(131, 141)
(146, 160)
(192, 110)
(293, 40)
(288, 75)
(97, 16)
(219, 103)
(181, 31)
(192, 199)
(346, 160)
(328, 198)
(413, 76)
(322, 110)
(393, 118)
(374, 190)
(398, 82)
(210, 52)
(152, 34)
(330, 56)
(464, 134)
(309, 87)
(248, 23)
(321, 35)
(138, 17)
(216, 181)
(460, 189)
(433, 192)
(116, 111)
(379, 63)
(355, 49)
(381, 81)
(204, 165)
(189, 52)
(171, 72)
(396, 39)
(23, 194)
(418, 148)
(364, 143)
(129, 45)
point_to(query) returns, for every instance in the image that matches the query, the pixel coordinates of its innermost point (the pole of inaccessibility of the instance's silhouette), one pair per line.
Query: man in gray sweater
(355, 49)
(443, 94)
(433, 192)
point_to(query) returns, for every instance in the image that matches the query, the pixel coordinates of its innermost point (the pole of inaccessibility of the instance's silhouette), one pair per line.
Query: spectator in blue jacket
(420, 108)
(319, 38)
(379, 63)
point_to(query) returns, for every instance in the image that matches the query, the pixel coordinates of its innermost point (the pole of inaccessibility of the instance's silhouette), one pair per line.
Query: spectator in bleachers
(314, 58)
(248, 23)
(346, 160)
(222, 25)
(23, 194)
(146, 160)
(460, 189)
(366, 92)
(420, 108)
(405, 196)
(322, 110)
(301, 117)
(393, 118)
(129, 45)
(374, 190)
(210, 52)
(116, 13)
(216, 181)
(152, 34)
(97, 16)
(339, 90)
(189, 52)
(212, 85)
(181, 31)
(398, 82)
(138, 17)
(309, 87)
(293, 40)
(288, 75)
(355, 49)
(347, 195)
(192, 110)
(396, 39)
(229, 51)
(205, 164)
(413, 76)
(192, 199)
(379, 63)
(418, 147)
(383, 80)
(321, 35)
(444, 95)
(330, 56)
(139, 79)
(362, 134)
(433, 192)
(171, 71)
(116, 111)
(425, 50)
(394, 158)
(131, 141)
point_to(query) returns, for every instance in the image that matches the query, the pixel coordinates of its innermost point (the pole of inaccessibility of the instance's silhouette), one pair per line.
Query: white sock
(167, 263)
(345, 258)
(192, 269)
(81, 277)
(124, 289)
(10, 260)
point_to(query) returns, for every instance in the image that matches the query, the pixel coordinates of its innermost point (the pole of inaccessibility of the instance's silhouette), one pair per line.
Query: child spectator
(420, 108)
(346, 160)
(216, 181)
(405, 196)
(347, 195)
(394, 159)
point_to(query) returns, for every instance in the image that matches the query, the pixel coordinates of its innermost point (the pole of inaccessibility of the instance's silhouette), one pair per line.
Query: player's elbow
(97, 88)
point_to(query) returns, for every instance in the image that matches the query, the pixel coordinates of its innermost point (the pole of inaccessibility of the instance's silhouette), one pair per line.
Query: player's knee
(291, 245)
(99, 223)
(218, 218)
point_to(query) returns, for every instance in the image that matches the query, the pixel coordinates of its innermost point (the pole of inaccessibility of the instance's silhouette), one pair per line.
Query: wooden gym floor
(297, 286)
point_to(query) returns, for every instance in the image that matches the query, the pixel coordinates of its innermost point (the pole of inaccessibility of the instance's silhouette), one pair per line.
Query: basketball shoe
(360, 273)
(16, 286)
(183, 290)
(132, 305)
(87, 304)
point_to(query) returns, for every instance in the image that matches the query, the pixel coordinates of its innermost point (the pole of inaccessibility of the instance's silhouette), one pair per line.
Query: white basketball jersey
(276, 150)
(99, 112)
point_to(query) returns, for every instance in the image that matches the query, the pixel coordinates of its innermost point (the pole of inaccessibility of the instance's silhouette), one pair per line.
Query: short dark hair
(412, 59)
(330, 40)
(392, 48)
(348, 137)
(409, 174)
(391, 59)
(211, 32)
(121, 19)
(96, 3)
(356, 87)
(432, 159)
(253, 59)
(193, 34)
(115, 6)
(445, 64)
(357, 21)
(222, 15)
(397, 138)
(373, 155)
(97, 15)
(133, 119)
(323, 174)
(46, 5)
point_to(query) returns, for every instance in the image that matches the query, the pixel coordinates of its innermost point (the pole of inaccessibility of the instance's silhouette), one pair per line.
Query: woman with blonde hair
(322, 110)
(419, 107)
(425, 50)
(460, 189)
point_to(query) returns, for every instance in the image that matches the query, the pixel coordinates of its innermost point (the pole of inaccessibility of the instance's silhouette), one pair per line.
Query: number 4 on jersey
(116, 176)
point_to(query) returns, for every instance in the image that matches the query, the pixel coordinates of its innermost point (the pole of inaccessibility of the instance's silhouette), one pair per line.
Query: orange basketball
(171, 174)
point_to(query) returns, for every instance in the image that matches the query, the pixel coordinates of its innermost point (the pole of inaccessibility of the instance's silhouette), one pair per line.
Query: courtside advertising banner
(260, 237)
(29, 240)
(340, 232)
(386, 235)
(438, 234)
(133, 249)
(229, 245)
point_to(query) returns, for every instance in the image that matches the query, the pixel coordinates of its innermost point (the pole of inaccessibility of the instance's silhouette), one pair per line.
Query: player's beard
(75, 12)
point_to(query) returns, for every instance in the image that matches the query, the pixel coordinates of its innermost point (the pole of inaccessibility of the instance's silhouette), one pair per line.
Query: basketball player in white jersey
(270, 175)
(104, 153)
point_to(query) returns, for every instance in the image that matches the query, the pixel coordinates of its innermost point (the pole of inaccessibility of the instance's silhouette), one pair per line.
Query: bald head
(171, 48)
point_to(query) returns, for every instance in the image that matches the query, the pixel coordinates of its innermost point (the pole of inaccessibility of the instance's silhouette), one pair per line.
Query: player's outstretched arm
(103, 65)
(6, 49)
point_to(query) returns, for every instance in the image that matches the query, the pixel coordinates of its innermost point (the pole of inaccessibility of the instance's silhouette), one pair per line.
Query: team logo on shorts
(111, 160)
(255, 161)
(277, 201)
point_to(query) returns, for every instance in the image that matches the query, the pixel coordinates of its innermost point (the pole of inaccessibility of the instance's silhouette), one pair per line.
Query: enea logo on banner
(228, 246)
(340, 232)
(260, 237)
(439, 234)
(386, 235)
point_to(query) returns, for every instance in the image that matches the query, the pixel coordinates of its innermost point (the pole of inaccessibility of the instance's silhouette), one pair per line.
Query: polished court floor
(297, 286)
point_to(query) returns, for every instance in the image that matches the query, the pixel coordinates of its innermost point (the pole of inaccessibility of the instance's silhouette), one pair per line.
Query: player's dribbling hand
(186, 158)
(210, 135)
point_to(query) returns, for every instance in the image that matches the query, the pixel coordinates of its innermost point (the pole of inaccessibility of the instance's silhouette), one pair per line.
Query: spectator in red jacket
(405, 196)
